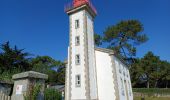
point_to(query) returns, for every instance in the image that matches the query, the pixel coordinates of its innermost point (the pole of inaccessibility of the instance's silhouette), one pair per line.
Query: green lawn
(150, 93)
(152, 90)
(153, 98)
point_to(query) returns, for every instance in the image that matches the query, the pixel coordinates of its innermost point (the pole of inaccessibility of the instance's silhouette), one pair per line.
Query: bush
(33, 92)
(52, 94)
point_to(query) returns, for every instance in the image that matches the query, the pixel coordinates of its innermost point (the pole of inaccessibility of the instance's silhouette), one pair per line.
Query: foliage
(7, 76)
(123, 37)
(12, 60)
(33, 92)
(54, 69)
(52, 94)
(150, 71)
(97, 39)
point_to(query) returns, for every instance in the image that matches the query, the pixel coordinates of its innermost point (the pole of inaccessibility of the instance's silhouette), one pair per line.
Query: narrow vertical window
(78, 81)
(77, 60)
(77, 40)
(129, 89)
(77, 24)
(122, 87)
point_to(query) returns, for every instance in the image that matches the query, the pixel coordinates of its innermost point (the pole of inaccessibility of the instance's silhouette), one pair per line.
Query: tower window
(77, 24)
(122, 87)
(78, 81)
(77, 40)
(77, 59)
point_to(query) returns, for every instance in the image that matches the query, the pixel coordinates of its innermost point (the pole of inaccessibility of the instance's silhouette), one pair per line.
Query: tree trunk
(166, 84)
(147, 84)
(156, 83)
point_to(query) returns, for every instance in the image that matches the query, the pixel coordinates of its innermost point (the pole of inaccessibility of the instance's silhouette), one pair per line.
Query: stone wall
(6, 87)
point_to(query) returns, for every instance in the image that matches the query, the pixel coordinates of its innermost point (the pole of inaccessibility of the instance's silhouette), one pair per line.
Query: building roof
(111, 52)
(70, 9)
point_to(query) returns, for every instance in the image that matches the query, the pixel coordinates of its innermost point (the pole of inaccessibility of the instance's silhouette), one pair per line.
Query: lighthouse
(92, 73)
(81, 84)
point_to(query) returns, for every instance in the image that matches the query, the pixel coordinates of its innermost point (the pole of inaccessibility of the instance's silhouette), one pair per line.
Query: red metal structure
(78, 3)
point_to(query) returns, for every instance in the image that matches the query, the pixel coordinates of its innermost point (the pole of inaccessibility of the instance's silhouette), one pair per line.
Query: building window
(78, 81)
(129, 89)
(77, 59)
(77, 40)
(120, 66)
(77, 24)
(122, 87)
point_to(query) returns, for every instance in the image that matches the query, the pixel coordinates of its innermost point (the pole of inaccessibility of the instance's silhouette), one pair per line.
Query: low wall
(6, 88)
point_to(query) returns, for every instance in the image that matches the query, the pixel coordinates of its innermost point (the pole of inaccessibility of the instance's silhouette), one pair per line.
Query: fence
(4, 97)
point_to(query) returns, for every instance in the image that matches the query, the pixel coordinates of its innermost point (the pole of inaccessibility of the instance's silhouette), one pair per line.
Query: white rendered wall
(67, 79)
(104, 76)
(91, 58)
(77, 92)
(123, 73)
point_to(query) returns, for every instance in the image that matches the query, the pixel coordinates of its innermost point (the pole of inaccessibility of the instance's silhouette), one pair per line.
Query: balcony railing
(71, 6)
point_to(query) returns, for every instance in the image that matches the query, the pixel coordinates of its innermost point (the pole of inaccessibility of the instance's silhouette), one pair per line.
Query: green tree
(97, 39)
(165, 72)
(124, 37)
(136, 72)
(51, 67)
(13, 60)
(52, 94)
(150, 66)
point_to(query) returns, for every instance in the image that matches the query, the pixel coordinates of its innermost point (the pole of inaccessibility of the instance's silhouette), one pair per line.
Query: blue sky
(41, 26)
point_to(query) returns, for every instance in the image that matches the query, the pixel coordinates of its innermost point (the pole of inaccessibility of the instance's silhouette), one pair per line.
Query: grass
(152, 90)
(152, 98)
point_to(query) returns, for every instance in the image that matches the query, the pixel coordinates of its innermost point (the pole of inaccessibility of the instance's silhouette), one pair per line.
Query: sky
(41, 27)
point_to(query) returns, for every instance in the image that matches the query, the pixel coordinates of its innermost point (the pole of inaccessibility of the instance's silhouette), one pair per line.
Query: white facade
(92, 73)
(113, 76)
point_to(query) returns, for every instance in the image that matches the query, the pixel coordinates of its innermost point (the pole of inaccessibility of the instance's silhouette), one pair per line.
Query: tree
(165, 72)
(136, 72)
(51, 67)
(124, 37)
(150, 66)
(13, 58)
(97, 39)
(12, 61)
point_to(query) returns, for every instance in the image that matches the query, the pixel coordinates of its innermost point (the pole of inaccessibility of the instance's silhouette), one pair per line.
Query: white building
(92, 73)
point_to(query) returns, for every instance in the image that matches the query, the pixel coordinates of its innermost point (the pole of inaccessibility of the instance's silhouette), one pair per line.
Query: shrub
(52, 94)
(33, 92)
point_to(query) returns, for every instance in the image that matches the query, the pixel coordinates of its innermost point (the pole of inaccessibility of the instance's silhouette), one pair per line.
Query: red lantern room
(78, 3)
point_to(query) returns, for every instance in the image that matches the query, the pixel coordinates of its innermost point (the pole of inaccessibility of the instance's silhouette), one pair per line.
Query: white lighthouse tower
(92, 73)
(81, 75)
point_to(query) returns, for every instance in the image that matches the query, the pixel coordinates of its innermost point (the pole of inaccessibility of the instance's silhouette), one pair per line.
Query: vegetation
(150, 71)
(152, 98)
(33, 92)
(123, 38)
(97, 39)
(54, 69)
(52, 94)
(152, 91)
(14, 60)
